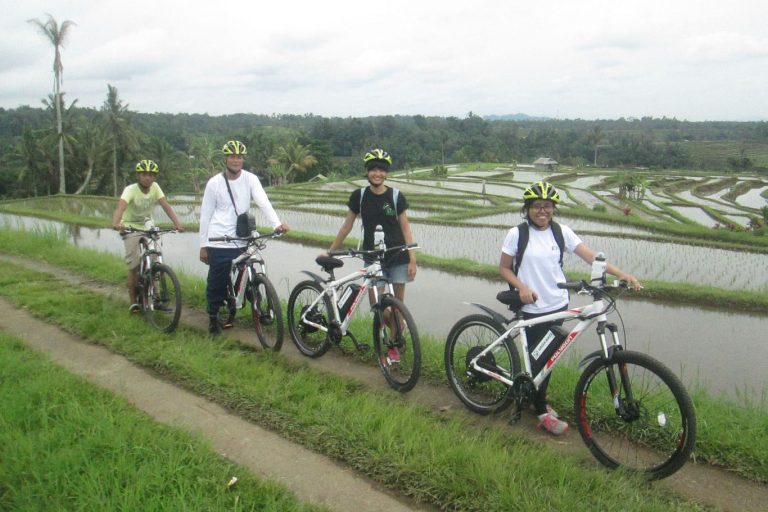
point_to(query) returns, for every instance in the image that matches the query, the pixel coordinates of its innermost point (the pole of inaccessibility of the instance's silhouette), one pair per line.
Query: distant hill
(515, 117)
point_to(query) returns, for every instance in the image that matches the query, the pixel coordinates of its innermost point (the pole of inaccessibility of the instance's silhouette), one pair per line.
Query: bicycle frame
(242, 270)
(371, 276)
(151, 250)
(596, 312)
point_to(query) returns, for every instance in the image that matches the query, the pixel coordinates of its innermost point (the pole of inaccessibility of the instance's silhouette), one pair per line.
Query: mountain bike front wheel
(266, 312)
(478, 391)
(634, 413)
(396, 342)
(309, 339)
(161, 300)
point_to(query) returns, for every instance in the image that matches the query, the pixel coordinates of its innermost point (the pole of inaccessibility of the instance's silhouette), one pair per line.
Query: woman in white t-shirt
(537, 274)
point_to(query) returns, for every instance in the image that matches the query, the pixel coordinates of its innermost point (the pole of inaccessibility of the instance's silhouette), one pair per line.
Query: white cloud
(584, 59)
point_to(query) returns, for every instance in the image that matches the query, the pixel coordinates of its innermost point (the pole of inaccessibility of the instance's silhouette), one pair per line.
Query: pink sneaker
(551, 424)
(393, 355)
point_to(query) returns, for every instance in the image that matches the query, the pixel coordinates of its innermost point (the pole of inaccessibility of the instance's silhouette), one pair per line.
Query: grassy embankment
(441, 460)
(730, 434)
(66, 444)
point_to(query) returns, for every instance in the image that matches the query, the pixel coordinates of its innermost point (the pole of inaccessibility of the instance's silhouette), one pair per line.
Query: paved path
(310, 476)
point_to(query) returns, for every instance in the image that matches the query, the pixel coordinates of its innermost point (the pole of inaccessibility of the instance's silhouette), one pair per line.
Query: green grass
(445, 460)
(68, 445)
(737, 442)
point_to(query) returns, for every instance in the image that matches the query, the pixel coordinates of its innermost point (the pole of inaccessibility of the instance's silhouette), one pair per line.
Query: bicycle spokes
(397, 344)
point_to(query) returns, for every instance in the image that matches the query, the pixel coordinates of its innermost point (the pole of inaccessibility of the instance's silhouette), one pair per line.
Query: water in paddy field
(716, 348)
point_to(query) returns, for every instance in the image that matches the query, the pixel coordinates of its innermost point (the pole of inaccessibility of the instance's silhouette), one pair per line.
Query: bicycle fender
(493, 314)
(597, 354)
(314, 276)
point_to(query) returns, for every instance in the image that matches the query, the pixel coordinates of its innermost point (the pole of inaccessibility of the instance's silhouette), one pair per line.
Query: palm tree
(57, 34)
(293, 157)
(121, 135)
(94, 145)
(594, 138)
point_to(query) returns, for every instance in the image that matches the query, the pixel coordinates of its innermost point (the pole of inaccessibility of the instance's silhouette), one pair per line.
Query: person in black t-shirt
(379, 207)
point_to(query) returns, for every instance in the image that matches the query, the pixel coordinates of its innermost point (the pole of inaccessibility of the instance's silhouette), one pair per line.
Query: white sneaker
(552, 424)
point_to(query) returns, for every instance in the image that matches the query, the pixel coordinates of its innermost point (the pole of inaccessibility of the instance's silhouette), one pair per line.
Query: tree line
(101, 146)
(60, 148)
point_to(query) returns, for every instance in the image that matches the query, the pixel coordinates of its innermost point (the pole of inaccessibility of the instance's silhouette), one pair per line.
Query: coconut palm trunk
(57, 34)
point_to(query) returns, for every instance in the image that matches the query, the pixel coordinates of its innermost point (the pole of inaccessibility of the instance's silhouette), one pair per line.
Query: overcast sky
(588, 59)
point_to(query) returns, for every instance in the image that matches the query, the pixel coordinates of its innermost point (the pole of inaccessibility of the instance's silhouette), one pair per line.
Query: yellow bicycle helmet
(147, 166)
(234, 147)
(541, 190)
(377, 158)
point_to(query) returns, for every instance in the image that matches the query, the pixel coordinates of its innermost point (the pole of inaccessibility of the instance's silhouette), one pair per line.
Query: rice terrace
(696, 240)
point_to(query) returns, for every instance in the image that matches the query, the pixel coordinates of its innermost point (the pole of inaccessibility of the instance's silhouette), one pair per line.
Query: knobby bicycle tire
(396, 342)
(266, 312)
(310, 340)
(479, 392)
(161, 298)
(653, 432)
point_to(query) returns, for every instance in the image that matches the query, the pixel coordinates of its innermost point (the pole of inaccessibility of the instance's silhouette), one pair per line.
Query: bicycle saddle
(328, 263)
(511, 298)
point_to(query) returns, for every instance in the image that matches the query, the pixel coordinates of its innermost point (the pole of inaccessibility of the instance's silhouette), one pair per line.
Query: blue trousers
(219, 263)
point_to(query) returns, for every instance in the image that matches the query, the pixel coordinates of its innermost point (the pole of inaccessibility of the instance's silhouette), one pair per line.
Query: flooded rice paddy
(716, 349)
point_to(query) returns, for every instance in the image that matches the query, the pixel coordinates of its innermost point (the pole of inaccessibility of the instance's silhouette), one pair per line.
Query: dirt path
(263, 452)
(268, 454)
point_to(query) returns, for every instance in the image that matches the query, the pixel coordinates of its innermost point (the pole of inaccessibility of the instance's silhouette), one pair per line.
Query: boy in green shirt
(133, 210)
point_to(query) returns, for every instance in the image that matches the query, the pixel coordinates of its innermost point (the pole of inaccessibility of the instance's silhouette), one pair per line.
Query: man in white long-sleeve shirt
(218, 217)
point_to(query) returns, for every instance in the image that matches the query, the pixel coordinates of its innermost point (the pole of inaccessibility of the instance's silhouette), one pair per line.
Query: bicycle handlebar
(582, 285)
(149, 231)
(227, 238)
(379, 253)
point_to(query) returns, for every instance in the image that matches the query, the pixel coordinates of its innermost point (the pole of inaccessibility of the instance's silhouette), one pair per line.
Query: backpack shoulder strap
(362, 193)
(522, 243)
(557, 231)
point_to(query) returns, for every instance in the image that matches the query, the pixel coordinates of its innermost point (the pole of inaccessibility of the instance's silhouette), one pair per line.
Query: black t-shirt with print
(380, 209)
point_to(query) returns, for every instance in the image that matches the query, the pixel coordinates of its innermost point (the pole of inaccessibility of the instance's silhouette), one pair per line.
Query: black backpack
(522, 243)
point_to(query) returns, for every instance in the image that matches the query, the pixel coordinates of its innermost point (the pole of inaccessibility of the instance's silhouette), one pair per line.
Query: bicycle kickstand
(361, 347)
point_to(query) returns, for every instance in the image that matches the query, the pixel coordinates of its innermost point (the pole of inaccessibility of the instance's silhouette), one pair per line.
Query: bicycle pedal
(515, 417)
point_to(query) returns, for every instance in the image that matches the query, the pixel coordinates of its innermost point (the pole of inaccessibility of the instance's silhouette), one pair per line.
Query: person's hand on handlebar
(282, 229)
(631, 281)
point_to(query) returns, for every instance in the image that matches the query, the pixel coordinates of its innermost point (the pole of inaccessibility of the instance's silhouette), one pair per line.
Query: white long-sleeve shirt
(217, 215)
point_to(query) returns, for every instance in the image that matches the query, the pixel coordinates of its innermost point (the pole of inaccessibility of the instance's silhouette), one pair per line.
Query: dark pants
(534, 334)
(219, 263)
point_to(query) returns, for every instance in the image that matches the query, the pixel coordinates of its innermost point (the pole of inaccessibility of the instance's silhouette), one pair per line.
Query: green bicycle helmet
(541, 190)
(377, 158)
(147, 166)
(234, 147)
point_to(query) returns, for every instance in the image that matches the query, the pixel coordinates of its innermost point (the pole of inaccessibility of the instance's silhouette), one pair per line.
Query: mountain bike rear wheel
(479, 392)
(266, 312)
(161, 299)
(309, 339)
(396, 342)
(653, 431)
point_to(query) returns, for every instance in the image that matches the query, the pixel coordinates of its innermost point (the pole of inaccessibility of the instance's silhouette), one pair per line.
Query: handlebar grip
(339, 253)
(218, 239)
